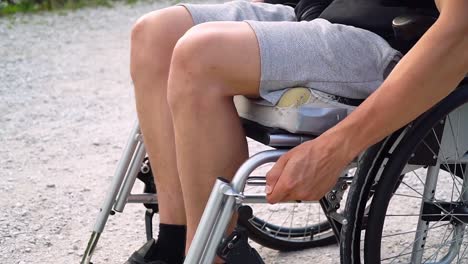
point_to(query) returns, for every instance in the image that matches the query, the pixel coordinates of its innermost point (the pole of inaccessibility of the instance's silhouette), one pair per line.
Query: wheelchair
(380, 223)
(255, 216)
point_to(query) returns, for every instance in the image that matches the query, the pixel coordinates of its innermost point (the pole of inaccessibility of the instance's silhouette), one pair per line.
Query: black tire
(317, 235)
(360, 192)
(285, 226)
(271, 236)
(302, 235)
(388, 182)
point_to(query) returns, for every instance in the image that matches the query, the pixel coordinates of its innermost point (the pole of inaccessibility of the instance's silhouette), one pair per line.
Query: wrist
(345, 139)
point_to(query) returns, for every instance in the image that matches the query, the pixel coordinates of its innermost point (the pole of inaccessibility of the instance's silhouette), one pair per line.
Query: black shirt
(375, 15)
(283, 2)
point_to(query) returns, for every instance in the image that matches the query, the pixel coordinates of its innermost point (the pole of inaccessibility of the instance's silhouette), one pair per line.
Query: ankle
(170, 245)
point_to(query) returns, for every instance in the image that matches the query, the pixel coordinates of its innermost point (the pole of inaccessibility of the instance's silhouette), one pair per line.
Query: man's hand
(308, 171)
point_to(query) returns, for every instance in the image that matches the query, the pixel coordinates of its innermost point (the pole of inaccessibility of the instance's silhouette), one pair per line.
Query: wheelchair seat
(300, 111)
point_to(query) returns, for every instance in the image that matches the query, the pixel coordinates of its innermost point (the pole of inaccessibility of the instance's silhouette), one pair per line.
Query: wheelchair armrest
(408, 29)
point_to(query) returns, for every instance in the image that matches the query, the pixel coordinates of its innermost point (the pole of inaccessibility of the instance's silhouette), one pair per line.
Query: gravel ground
(66, 110)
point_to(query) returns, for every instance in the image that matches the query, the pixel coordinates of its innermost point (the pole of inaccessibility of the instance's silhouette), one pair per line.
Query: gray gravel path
(66, 108)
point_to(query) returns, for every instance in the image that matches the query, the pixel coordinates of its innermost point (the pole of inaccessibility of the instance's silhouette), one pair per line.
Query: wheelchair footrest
(236, 249)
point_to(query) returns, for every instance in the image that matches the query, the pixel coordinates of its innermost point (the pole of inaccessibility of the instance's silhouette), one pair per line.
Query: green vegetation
(14, 6)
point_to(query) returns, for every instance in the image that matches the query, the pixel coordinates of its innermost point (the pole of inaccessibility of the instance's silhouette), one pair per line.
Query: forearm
(428, 73)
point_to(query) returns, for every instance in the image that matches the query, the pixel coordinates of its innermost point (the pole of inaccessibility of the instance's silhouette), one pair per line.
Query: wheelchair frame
(225, 198)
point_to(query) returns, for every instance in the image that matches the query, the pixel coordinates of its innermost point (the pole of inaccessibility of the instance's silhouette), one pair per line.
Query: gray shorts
(333, 58)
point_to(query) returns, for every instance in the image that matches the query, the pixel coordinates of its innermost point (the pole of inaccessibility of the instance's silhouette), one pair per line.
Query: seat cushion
(300, 111)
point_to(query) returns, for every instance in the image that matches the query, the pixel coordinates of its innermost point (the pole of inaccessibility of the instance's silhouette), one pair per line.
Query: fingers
(280, 192)
(275, 188)
(273, 175)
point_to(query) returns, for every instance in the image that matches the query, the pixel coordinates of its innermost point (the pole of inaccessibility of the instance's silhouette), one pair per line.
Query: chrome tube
(421, 231)
(236, 187)
(459, 230)
(132, 174)
(109, 201)
(207, 222)
(287, 140)
(238, 182)
(145, 198)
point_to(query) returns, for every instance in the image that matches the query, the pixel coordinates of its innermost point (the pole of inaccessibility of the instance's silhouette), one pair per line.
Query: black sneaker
(139, 256)
(247, 256)
(236, 249)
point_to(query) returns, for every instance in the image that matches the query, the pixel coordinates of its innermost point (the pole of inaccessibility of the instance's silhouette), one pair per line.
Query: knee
(145, 34)
(194, 73)
(152, 41)
(151, 27)
(196, 51)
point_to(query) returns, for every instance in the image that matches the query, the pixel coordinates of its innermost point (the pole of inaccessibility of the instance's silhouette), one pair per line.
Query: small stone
(50, 185)
(27, 250)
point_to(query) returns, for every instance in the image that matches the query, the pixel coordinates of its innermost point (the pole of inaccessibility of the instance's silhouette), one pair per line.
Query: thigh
(238, 11)
(265, 58)
(333, 58)
(226, 52)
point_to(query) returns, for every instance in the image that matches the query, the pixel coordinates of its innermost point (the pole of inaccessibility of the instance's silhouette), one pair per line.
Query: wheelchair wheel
(281, 227)
(360, 196)
(290, 238)
(419, 208)
(288, 226)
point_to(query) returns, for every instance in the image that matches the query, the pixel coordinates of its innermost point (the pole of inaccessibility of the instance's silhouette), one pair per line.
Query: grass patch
(8, 7)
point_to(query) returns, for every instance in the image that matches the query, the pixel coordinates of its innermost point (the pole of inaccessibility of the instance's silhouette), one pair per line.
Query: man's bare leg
(153, 39)
(211, 63)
